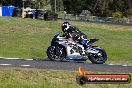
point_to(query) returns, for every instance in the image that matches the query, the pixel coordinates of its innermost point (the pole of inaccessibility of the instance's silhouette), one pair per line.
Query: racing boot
(85, 43)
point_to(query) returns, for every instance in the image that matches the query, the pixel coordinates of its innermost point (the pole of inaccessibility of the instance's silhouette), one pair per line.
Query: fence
(97, 19)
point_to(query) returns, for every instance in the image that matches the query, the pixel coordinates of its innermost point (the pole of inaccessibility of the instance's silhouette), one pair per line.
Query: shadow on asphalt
(63, 61)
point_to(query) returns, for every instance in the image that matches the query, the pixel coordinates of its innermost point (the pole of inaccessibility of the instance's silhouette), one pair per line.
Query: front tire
(56, 53)
(98, 58)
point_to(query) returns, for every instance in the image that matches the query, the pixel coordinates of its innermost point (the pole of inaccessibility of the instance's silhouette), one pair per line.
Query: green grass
(27, 38)
(40, 78)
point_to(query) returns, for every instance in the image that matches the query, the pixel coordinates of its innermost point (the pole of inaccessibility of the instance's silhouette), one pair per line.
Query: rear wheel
(56, 53)
(98, 58)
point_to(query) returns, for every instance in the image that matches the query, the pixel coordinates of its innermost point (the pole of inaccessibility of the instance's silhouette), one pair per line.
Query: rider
(74, 33)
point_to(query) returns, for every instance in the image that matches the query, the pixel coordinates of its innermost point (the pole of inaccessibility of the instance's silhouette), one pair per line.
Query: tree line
(100, 8)
(27, 3)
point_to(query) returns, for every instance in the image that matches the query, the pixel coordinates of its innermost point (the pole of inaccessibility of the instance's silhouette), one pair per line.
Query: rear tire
(56, 53)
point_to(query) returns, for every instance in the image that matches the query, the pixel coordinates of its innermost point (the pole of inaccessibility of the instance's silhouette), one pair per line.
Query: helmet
(65, 26)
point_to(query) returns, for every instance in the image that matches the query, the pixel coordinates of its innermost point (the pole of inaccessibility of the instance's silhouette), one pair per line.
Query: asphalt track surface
(67, 65)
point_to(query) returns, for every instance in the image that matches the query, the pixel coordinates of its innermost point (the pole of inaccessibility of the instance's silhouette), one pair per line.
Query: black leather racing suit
(74, 33)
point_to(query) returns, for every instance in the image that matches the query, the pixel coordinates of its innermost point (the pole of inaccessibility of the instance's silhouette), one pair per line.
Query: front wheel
(56, 53)
(98, 58)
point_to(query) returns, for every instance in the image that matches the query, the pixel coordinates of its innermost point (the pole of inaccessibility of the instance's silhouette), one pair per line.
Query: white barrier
(0, 11)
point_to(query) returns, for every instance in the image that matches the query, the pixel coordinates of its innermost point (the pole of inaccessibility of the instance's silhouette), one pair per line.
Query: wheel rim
(56, 53)
(100, 56)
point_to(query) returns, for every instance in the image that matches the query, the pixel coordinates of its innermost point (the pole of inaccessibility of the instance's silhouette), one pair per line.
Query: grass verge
(40, 78)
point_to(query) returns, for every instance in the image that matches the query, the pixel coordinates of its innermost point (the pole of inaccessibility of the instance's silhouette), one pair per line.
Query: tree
(11, 2)
(129, 10)
(119, 5)
(41, 3)
(74, 6)
(101, 8)
(59, 5)
(18, 3)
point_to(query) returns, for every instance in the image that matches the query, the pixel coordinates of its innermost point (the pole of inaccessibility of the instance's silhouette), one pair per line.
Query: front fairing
(57, 38)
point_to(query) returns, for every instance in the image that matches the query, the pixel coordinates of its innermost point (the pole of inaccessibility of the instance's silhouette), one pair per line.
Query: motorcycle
(67, 49)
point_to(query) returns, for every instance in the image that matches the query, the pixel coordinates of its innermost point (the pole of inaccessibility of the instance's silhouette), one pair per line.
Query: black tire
(56, 53)
(17, 12)
(40, 14)
(96, 59)
(29, 15)
(51, 16)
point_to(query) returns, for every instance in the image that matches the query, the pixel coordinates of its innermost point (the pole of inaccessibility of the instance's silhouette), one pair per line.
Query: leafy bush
(117, 14)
